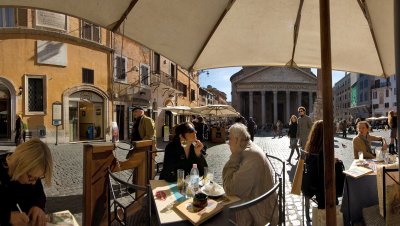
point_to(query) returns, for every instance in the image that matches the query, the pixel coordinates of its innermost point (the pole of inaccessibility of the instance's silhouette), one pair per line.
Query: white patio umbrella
(216, 110)
(211, 34)
(180, 110)
(219, 33)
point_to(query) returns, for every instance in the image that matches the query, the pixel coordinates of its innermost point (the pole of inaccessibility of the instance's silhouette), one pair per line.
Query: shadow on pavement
(72, 203)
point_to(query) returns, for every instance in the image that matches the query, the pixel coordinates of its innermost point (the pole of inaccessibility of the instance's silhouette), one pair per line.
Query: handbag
(298, 177)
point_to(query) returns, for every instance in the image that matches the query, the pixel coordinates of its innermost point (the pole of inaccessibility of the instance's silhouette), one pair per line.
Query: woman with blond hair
(292, 133)
(22, 195)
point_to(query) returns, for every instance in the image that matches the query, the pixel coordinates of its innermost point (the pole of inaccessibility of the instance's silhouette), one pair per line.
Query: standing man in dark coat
(143, 127)
(251, 127)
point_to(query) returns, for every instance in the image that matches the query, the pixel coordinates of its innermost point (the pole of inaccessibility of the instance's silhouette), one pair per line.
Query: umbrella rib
(228, 7)
(123, 17)
(364, 9)
(296, 32)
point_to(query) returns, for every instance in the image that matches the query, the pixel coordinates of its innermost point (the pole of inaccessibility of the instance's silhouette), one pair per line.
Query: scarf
(367, 143)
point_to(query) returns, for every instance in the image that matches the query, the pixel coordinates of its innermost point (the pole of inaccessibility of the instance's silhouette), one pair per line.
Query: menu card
(357, 171)
(63, 218)
(199, 216)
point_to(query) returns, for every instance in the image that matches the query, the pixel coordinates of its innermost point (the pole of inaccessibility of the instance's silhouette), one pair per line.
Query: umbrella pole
(326, 68)
(396, 18)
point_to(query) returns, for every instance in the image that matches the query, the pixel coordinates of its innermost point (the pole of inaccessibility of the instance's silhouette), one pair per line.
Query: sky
(220, 78)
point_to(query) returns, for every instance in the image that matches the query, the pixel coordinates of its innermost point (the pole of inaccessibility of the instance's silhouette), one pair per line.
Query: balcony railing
(162, 77)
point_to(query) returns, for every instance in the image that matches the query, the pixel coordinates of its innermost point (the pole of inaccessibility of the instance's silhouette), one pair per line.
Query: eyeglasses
(301, 111)
(32, 178)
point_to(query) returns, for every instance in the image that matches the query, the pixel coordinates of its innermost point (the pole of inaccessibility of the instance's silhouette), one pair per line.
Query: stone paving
(67, 187)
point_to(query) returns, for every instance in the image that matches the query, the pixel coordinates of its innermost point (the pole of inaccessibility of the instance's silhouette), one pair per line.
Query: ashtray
(200, 200)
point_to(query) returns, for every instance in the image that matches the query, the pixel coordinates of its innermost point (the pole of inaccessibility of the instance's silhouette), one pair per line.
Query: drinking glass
(181, 180)
(360, 156)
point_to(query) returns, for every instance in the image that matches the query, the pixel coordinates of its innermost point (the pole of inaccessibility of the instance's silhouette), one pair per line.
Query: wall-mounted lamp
(134, 68)
(165, 61)
(20, 91)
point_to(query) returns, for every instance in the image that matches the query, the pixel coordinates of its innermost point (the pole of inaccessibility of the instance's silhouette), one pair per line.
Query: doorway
(5, 123)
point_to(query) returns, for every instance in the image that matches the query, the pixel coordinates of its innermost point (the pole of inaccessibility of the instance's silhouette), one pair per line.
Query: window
(387, 92)
(386, 105)
(156, 63)
(365, 83)
(7, 17)
(192, 95)
(144, 74)
(375, 106)
(35, 91)
(366, 96)
(173, 71)
(182, 87)
(377, 83)
(90, 32)
(87, 76)
(120, 68)
(361, 97)
(375, 95)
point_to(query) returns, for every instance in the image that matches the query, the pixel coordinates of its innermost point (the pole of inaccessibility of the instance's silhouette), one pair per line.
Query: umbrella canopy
(211, 34)
(216, 111)
(180, 110)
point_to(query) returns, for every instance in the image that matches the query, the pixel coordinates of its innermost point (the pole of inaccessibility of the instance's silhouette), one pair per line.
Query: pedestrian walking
(344, 128)
(251, 127)
(304, 125)
(293, 138)
(392, 121)
(279, 126)
(18, 130)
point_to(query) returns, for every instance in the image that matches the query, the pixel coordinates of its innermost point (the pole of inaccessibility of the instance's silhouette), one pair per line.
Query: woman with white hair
(247, 174)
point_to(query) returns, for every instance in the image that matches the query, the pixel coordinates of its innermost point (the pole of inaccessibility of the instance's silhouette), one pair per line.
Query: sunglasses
(32, 178)
(190, 130)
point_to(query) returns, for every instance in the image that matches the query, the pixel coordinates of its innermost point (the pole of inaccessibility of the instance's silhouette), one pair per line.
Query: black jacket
(12, 192)
(292, 130)
(175, 159)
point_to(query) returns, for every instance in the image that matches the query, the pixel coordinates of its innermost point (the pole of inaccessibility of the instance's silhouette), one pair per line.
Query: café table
(359, 193)
(167, 213)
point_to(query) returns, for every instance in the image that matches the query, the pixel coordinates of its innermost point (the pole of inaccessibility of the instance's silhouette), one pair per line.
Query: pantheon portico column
(275, 106)
(287, 105)
(250, 104)
(263, 108)
(310, 102)
(299, 99)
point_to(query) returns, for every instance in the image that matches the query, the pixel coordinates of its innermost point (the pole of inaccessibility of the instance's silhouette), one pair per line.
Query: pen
(19, 208)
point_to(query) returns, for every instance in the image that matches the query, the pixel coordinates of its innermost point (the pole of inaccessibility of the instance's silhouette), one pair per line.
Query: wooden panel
(96, 161)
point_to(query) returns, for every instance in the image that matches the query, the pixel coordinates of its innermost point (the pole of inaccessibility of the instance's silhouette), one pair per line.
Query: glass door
(73, 121)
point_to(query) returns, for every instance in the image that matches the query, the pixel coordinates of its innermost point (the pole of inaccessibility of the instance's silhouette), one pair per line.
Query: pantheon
(269, 94)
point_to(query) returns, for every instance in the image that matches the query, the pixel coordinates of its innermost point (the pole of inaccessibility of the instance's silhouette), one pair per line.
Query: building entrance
(86, 115)
(5, 113)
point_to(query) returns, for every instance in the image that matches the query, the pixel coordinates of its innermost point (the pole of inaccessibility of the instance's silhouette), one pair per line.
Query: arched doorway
(7, 109)
(86, 116)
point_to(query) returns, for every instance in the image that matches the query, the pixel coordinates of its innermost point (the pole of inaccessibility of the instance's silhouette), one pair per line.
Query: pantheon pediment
(276, 75)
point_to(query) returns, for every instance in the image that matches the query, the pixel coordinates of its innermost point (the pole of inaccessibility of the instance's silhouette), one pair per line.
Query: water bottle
(194, 178)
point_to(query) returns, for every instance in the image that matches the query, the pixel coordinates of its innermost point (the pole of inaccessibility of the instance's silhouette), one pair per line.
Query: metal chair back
(127, 199)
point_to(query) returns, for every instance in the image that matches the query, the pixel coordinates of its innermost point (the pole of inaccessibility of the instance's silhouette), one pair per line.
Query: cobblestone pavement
(67, 187)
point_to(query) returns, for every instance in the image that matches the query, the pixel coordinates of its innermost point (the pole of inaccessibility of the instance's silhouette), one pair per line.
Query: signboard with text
(57, 114)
